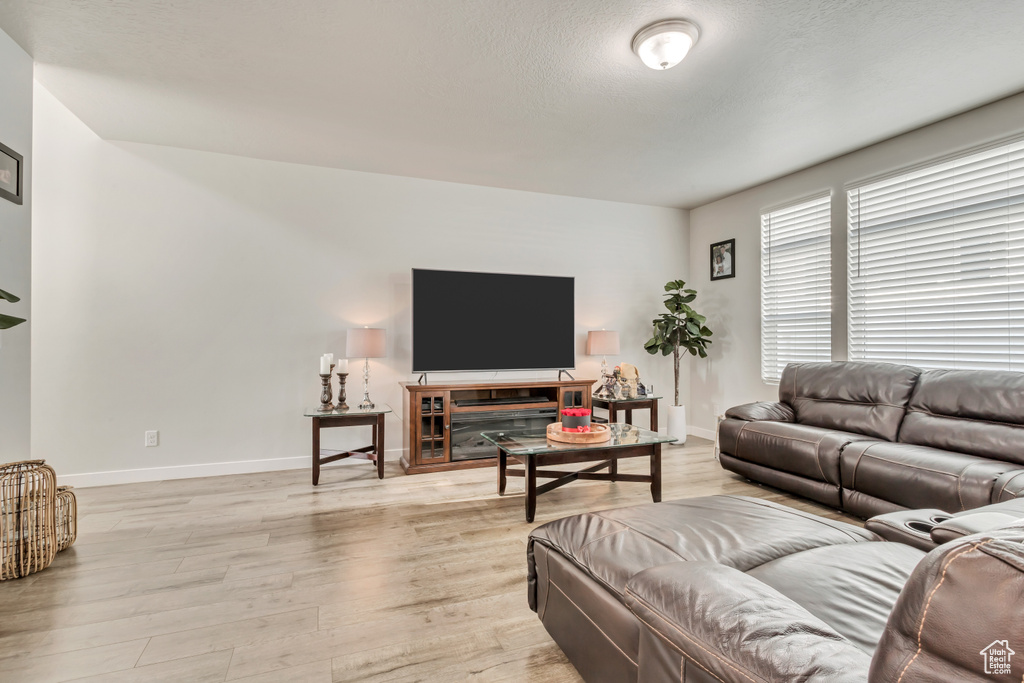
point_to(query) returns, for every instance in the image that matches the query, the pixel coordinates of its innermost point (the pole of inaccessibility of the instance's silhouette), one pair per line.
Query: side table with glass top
(353, 417)
(627, 406)
(533, 449)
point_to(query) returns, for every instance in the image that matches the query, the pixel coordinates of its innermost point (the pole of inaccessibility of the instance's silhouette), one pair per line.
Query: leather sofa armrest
(716, 619)
(1008, 486)
(909, 527)
(967, 587)
(976, 523)
(765, 410)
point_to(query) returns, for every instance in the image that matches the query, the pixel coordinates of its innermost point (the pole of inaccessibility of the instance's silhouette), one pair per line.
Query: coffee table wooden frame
(606, 458)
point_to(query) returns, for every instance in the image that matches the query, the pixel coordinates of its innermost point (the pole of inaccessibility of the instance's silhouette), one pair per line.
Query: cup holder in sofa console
(920, 527)
(939, 519)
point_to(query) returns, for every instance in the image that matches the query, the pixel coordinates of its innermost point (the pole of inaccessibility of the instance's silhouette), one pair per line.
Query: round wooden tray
(597, 434)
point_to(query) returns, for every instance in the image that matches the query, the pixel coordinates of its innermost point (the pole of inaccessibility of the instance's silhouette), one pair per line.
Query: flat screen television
(492, 321)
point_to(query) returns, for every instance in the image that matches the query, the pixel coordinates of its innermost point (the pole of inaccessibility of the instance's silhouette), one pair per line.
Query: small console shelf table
(446, 420)
(349, 418)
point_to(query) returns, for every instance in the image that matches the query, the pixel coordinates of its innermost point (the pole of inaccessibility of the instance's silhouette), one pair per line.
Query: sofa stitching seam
(547, 593)
(962, 418)
(596, 625)
(817, 458)
(683, 634)
(791, 438)
(852, 403)
(805, 516)
(601, 538)
(924, 613)
(865, 454)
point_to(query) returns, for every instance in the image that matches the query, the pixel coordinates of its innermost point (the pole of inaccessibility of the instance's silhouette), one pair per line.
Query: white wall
(193, 292)
(732, 373)
(16, 254)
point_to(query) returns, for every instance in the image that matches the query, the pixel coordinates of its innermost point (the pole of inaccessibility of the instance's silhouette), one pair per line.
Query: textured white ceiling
(540, 95)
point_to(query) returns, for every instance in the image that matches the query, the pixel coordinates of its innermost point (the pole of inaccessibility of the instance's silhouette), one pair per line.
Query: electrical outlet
(152, 438)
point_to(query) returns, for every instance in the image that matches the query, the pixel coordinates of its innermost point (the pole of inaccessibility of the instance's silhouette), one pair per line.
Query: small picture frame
(723, 259)
(11, 164)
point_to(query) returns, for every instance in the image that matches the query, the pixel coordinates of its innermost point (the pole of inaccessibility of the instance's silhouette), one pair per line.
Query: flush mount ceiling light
(664, 44)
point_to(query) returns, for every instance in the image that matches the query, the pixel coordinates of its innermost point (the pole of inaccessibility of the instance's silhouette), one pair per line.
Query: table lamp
(603, 343)
(365, 343)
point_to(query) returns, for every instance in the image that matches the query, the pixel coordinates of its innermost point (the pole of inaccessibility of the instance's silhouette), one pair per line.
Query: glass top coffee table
(533, 449)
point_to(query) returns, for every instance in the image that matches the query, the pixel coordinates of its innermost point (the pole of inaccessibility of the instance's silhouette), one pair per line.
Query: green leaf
(7, 321)
(688, 298)
(9, 297)
(703, 353)
(669, 286)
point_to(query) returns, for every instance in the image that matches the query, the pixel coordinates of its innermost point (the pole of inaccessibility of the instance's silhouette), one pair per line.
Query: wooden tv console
(429, 409)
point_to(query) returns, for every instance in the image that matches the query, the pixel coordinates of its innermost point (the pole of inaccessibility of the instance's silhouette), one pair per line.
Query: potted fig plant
(680, 330)
(7, 321)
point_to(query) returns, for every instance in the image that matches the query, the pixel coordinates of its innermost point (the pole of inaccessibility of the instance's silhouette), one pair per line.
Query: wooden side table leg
(502, 464)
(613, 414)
(316, 451)
(613, 468)
(656, 473)
(531, 487)
(378, 445)
(654, 415)
(629, 416)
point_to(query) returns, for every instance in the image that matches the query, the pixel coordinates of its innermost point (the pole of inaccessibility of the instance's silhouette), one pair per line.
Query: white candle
(325, 365)
(330, 358)
(342, 365)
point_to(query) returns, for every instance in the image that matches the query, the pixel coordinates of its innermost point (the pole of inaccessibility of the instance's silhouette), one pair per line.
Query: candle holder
(342, 394)
(325, 396)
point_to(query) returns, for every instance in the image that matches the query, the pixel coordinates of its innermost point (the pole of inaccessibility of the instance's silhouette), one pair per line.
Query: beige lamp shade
(365, 342)
(602, 343)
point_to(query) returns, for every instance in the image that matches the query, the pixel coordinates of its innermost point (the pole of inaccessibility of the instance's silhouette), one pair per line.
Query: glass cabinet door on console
(433, 432)
(574, 396)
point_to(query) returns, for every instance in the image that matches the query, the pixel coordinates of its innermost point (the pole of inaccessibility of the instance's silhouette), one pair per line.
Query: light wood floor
(262, 577)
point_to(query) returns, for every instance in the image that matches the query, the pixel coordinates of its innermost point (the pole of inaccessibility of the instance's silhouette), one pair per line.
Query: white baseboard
(212, 469)
(708, 434)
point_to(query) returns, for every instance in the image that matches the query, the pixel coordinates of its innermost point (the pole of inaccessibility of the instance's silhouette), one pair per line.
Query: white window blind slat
(936, 264)
(796, 286)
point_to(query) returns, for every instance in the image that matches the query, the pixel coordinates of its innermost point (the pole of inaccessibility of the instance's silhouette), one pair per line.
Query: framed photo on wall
(723, 259)
(10, 174)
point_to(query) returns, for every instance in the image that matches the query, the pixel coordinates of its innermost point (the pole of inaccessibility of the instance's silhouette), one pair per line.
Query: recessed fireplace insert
(466, 442)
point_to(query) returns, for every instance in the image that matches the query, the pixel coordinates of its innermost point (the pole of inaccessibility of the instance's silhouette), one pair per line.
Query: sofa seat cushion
(919, 476)
(705, 622)
(613, 545)
(852, 586)
(803, 450)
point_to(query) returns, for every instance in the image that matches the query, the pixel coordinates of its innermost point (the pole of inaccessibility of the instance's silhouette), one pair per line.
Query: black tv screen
(491, 321)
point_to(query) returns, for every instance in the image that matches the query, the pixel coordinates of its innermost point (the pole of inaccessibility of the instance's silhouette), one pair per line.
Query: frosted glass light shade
(664, 44)
(602, 343)
(365, 342)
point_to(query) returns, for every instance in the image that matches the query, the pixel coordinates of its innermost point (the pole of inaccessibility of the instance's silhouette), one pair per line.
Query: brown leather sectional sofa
(727, 589)
(872, 438)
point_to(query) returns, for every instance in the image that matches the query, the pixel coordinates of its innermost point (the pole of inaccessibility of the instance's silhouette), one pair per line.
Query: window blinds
(936, 259)
(796, 288)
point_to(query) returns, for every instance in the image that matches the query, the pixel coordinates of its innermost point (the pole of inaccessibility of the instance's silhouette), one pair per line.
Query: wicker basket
(28, 506)
(67, 518)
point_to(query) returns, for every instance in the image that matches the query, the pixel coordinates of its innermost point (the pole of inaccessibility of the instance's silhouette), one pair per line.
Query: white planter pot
(677, 422)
